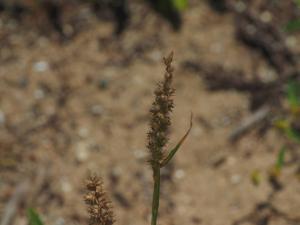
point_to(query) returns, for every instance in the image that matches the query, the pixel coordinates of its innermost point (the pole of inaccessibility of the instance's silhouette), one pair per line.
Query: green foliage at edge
(280, 159)
(293, 92)
(33, 217)
(297, 2)
(293, 134)
(256, 177)
(167, 5)
(285, 126)
(292, 26)
(180, 5)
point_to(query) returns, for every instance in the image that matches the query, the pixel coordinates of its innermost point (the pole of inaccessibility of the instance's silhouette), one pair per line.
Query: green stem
(155, 200)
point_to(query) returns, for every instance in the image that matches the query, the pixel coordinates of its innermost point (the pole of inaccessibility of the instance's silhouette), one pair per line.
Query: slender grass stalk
(158, 134)
(156, 192)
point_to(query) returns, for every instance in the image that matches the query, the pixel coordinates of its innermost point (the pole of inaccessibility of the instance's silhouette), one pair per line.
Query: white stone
(266, 17)
(81, 152)
(66, 186)
(83, 132)
(235, 179)
(156, 56)
(41, 66)
(179, 174)
(291, 42)
(140, 154)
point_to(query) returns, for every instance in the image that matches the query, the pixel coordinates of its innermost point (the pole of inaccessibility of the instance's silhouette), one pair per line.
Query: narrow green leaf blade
(293, 134)
(293, 93)
(256, 177)
(33, 217)
(174, 150)
(280, 158)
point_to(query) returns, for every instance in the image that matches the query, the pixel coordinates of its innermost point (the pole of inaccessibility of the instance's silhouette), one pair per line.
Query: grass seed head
(160, 114)
(99, 207)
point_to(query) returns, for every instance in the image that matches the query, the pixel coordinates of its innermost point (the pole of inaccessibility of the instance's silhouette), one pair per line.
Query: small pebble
(197, 131)
(66, 186)
(291, 42)
(235, 179)
(97, 110)
(140, 154)
(267, 75)
(155, 56)
(117, 171)
(41, 66)
(266, 17)
(240, 6)
(83, 132)
(81, 152)
(179, 174)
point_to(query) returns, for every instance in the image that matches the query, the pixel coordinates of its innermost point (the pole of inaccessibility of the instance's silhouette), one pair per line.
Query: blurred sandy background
(74, 99)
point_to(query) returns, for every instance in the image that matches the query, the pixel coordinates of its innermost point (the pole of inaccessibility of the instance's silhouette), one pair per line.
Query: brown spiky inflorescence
(99, 207)
(160, 115)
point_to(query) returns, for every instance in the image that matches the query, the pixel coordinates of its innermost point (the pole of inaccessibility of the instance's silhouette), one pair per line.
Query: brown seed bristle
(99, 206)
(160, 114)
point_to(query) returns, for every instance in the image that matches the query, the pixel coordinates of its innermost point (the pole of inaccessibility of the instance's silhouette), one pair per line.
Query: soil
(80, 106)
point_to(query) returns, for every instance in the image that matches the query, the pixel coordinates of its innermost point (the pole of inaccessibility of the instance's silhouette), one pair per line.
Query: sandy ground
(68, 109)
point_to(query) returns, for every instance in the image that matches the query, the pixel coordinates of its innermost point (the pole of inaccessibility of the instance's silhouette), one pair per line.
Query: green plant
(294, 24)
(170, 10)
(33, 217)
(276, 170)
(287, 123)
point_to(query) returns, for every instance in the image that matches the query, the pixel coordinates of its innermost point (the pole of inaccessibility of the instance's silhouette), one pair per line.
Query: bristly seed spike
(158, 135)
(160, 114)
(99, 206)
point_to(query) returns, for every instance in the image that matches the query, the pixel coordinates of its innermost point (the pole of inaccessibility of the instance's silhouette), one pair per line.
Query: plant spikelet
(160, 115)
(99, 207)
